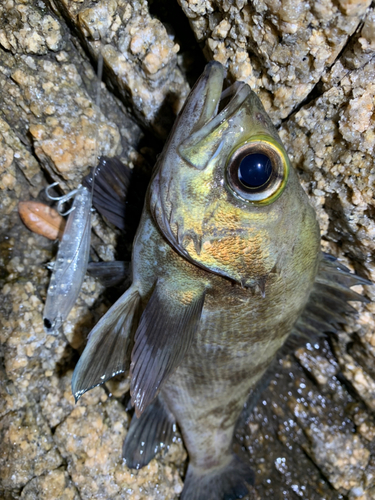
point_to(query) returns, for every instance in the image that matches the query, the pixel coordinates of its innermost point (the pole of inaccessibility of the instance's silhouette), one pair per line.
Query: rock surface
(312, 435)
(280, 48)
(140, 56)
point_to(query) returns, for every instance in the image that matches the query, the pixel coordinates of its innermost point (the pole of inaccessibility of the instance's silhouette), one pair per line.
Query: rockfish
(226, 267)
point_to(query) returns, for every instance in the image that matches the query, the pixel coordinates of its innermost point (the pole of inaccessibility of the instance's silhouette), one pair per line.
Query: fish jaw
(200, 106)
(197, 209)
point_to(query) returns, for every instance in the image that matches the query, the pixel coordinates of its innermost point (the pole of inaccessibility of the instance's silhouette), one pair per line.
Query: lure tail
(119, 192)
(222, 483)
(111, 273)
(112, 179)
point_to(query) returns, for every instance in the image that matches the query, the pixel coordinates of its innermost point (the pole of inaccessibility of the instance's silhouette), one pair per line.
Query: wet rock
(27, 448)
(276, 435)
(362, 382)
(32, 32)
(321, 368)
(54, 484)
(49, 101)
(57, 402)
(91, 438)
(343, 457)
(281, 49)
(140, 56)
(13, 154)
(329, 140)
(312, 434)
(65, 140)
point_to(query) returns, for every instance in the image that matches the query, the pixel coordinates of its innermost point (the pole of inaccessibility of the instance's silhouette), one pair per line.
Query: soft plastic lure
(42, 219)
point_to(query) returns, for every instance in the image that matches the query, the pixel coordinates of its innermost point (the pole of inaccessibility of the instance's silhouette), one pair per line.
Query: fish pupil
(255, 170)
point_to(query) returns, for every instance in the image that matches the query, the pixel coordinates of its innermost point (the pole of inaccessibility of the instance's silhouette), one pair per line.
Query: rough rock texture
(140, 56)
(48, 94)
(312, 434)
(281, 48)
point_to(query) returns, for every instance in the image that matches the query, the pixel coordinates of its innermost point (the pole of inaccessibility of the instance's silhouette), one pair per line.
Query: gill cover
(216, 184)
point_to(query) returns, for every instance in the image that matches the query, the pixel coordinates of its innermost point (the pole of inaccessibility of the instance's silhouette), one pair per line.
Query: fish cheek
(239, 258)
(189, 196)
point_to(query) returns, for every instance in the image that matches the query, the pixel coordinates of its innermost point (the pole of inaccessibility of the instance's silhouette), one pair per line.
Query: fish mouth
(209, 106)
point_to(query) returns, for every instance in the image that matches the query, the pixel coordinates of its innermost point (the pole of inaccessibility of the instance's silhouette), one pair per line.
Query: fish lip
(238, 92)
(212, 81)
(201, 104)
(211, 86)
(196, 148)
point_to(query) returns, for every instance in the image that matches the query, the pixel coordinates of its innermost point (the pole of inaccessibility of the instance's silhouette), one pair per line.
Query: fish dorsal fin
(163, 337)
(112, 179)
(328, 301)
(107, 352)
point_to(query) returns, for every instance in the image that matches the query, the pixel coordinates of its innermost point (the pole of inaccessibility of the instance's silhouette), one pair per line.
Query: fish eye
(257, 171)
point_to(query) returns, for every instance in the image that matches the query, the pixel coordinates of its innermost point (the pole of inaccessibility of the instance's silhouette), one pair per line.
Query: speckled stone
(280, 48)
(53, 484)
(91, 438)
(14, 154)
(312, 435)
(50, 101)
(27, 448)
(139, 53)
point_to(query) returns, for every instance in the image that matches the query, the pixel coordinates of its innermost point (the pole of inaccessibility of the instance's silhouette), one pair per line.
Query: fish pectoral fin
(107, 352)
(148, 434)
(328, 300)
(163, 337)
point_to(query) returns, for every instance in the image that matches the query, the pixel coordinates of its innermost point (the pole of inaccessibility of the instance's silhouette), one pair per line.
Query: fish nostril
(261, 119)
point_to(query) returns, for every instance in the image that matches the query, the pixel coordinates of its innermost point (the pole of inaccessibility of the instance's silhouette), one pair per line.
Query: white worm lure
(72, 259)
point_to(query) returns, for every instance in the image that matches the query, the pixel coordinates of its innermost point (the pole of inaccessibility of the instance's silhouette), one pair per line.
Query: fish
(227, 269)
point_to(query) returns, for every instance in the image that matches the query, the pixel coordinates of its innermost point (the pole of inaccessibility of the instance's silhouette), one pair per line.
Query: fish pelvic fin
(108, 348)
(222, 483)
(148, 434)
(163, 337)
(328, 302)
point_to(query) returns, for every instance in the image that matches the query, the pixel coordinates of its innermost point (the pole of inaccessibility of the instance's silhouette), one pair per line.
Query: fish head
(224, 193)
